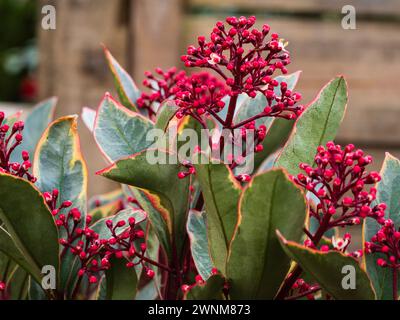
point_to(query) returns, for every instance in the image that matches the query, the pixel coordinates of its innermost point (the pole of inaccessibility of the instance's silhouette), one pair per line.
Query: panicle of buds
(199, 94)
(386, 242)
(247, 59)
(126, 241)
(339, 179)
(10, 138)
(163, 85)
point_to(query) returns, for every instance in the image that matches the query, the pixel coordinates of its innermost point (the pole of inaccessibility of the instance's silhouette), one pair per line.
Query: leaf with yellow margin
(59, 164)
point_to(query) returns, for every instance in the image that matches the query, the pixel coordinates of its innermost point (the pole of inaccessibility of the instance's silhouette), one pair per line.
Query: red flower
(246, 59)
(163, 85)
(199, 94)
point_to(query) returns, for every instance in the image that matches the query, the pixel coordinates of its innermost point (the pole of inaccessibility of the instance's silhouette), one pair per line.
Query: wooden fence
(143, 34)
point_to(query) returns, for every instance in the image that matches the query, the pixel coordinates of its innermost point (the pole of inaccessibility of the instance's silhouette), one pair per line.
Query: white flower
(339, 243)
(214, 59)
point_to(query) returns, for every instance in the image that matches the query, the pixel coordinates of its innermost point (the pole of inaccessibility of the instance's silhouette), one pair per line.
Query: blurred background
(142, 34)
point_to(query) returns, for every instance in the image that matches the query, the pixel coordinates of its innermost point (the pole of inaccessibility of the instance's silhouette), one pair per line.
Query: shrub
(198, 228)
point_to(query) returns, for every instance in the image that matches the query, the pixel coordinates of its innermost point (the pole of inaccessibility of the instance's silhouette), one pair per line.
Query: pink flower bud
(381, 262)
(121, 223)
(150, 273)
(18, 137)
(66, 204)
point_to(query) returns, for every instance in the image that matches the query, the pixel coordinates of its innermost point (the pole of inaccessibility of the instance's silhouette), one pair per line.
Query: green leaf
(268, 162)
(148, 292)
(29, 223)
(327, 269)
(10, 120)
(250, 107)
(165, 114)
(388, 191)
(120, 132)
(121, 282)
(221, 194)
(35, 124)
(210, 290)
(88, 116)
(160, 182)
(123, 141)
(8, 248)
(15, 278)
(19, 284)
(317, 125)
(100, 226)
(128, 92)
(59, 165)
(156, 215)
(257, 265)
(197, 231)
(278, 129)
(35, 291)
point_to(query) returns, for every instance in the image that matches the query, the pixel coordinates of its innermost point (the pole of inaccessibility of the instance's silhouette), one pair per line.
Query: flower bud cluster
(126, 241)
(250, 58)
(10, 138)
(339, 179)
(199, 94)
(163, 85)
(386, 242)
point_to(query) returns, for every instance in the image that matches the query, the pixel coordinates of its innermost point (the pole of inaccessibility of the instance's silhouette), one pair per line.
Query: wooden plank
(368, 57)
(387, 7)
(73, 68)
(156, 32)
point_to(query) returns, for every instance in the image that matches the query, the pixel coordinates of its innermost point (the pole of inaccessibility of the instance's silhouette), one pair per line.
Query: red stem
(231, 111)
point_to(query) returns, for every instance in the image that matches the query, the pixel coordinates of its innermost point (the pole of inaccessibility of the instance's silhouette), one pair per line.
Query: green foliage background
(17, 33)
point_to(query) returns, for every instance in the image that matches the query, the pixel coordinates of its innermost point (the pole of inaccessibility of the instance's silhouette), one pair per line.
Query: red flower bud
(150, 273)
(92, 279)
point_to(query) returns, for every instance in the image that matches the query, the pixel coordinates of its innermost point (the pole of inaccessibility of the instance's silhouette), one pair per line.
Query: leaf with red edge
(326, 268)
(221, 193)
(118, 131)
(162, 188)
(388, 192)
(30, 226)
(257, 265)
(128, 92)
(88, 116)
(36, 122)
